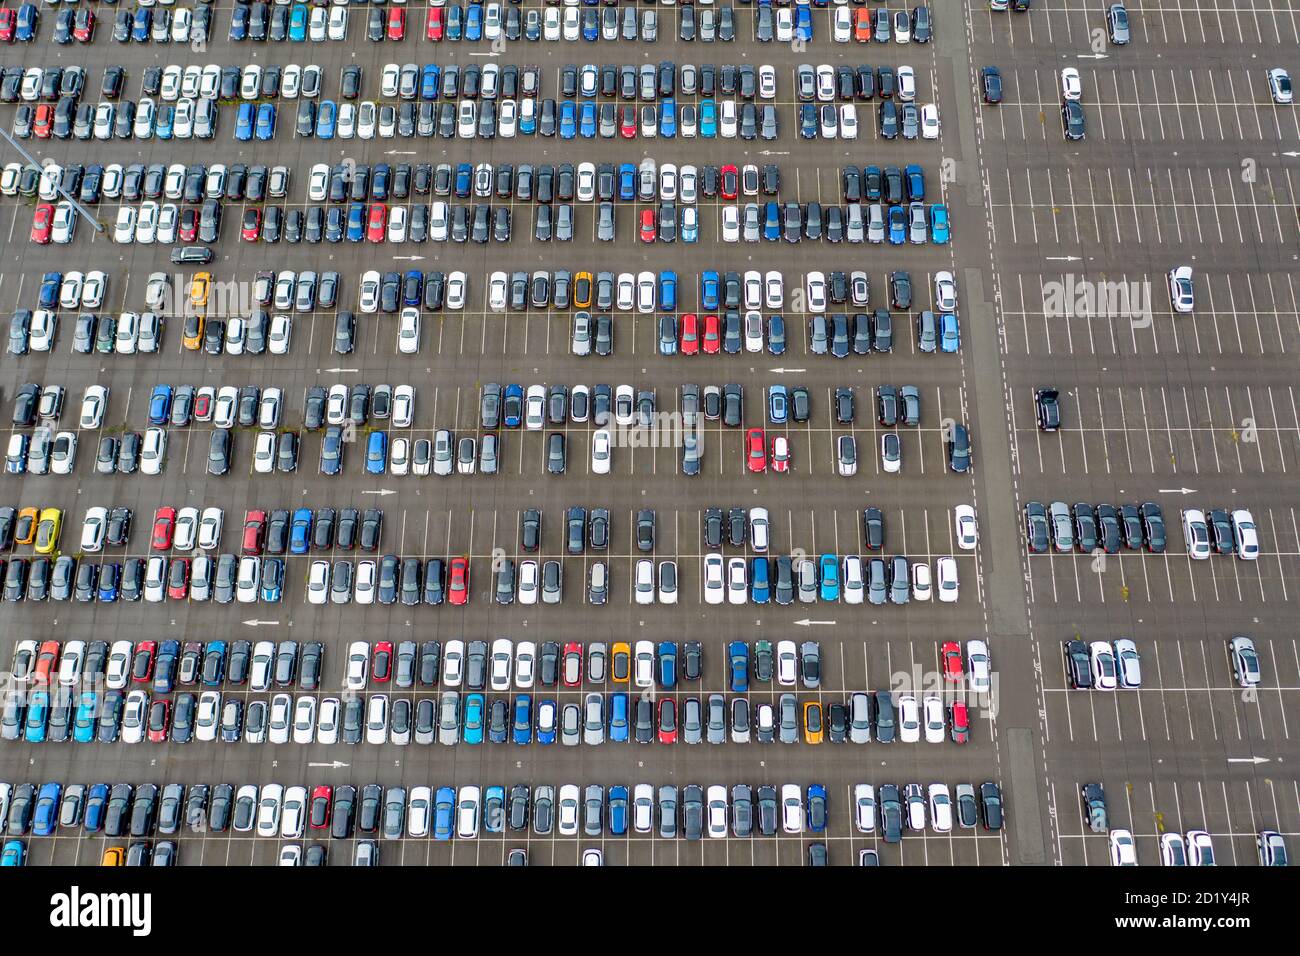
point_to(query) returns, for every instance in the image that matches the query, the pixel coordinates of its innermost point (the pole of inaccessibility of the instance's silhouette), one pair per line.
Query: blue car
(14, 852)
(771, 222)
(494, 796)
(776, 335)
(830, 577)
(527, 122)
(326, 119)
(244, 122)
(238, 22)
(817, 798)
(26, 23)
(808, 121)
(429, 79)
(738, 666)
(140, 25)
(708, 119)
(590, 27)
(472, 731)
(939, 224)
(412, 286)
(778, 404)
(166, 119)
(300, 531)
(46, 817)
(587, 124)
(618, 810)
(92, 819)
(109, 576)
(511, 405)
(464, 180)
(83, 724)
(760, 591)
(949, 333)
(522, 728)
(568, 119)
(272, 583)
(47, 297)
(444, 813)
(897, 225)
(668, 291)
(474, 22)
(214, 655)
(265, 121)
(667, 335)
(668, 119)
(455, 22)
(298, 23)
(356, 222)
(377, 453)
(667, 654)
(690, 225)
(160, 404)
(626, 182)
(803, 22)
(38, 711)
(164, 666)
(915, 179)
(709, 290)
(547, 715)
(618, 708)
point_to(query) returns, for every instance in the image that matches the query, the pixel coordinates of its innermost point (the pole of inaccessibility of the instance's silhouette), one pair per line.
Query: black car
(1109, 531)
(645, 529)
(991, 84)
(1085, 527)
(1153, 527)
(1037, 529)
(1078, 665)
(1072, 121)
(1048, 408)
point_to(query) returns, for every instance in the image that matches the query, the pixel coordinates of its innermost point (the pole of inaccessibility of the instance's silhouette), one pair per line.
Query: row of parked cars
(1088, 528)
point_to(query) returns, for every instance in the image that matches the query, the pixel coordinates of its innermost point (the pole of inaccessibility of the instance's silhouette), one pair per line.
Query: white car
(1173, 849)
(906, 84)
(759, 526)
(945, 292)
(643, 581)
(967, 529)
(940, 807)
(93, 289)
(280, 334)
(535, 407)
(1071, 84)
(864, 807)
(457, 290)
(281, 717)
(1279, 85)
(1200, 849)
(419, 810)
(715, 811)
(1182, 294)
(264, 453)
(529, 582)
(358, 664)
(854, 584)
(909, 719)
(602, 451)
(327, 721)
(293, 815)
(791, 808)
(134, 715)
(645, 292)
(363, 586)
(1103, 665)
(268, 810)
(921, 585)
(567, 809)
(408, 331)
(1123, 851)
(714, 586)
(185, 534)
(403, 411)
(1196, 533)
(787, 663)
(643, 664)
(377, 719)
(304, 720)
(730, 224)
(118, 669)
(979, 668)
(368, 292)
(318, 582)
(774, 290)
(945, 573)
(207, 717)
(318, 183)
(71, 657)
(815, 289)
(1245, 537)
(45, 324)
(209, 528)
(930, 126)
(453, 663)
(1128, 665)
(737, 581)
(932, 709)
(525, 664)
(94, 403)
(501, 664)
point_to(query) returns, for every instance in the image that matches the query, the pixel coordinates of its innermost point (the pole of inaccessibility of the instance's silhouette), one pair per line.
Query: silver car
(593, 722)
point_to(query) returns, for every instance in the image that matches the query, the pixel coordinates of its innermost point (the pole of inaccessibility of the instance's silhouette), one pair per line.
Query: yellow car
(25, 526)
(47, 531)
(812, 722)
(192, 333)
(199, 287)
(622, 654)
(582, 284)
(113, 856)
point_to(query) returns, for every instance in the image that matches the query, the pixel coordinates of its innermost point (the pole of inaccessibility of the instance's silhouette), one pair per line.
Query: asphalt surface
(1152, 408)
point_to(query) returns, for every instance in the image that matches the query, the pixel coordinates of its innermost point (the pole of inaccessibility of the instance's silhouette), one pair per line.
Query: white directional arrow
(256, 623)
(336, 371)
(408, 258)
(782, 371)
(379, 491)
(772, 152)
(1176, 491)
(1292, 153)
(1064, 258)
(333, 765)
(1092, 56)
(1248, 760)
(805, 622)
(400, 152)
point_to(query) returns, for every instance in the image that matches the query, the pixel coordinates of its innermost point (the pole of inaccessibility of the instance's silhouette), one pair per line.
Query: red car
(571, 665)
(756, 450)
(690, 334)
(396, 23)
(7, 18)
(43, 122)
(433, 26)
(254, 531)
(160, 714)
(202, 406)
(46, 659)
(84, 30)
(142, 662)
(667, 721)
(178, 579)
(729, 182)
(318, 813)
(951, 654)
(627, 122)
(862, 26)
(959, 722)
(381, 662)
(41, 223)
(188, 227)
(164, 523)
(375, 221)
(712, 335)
(252, 226)
(647, 225)
(458, 581)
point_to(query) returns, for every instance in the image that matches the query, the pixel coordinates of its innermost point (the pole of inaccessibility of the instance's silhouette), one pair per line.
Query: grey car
(593, 722)
(449, 718)
(692, 721)
(570, 724)
(788, 719)
(717, 719)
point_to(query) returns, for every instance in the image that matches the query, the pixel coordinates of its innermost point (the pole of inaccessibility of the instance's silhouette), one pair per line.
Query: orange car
(812, 722)
(862, 25)
(113, 856)
(25, 526)
(47, 659)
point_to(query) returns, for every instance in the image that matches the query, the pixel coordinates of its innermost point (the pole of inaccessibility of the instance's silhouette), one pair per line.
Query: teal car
(444, 813)
(473, 732)
(830, 577)
(14, 853)
(708, 119)
(38, 712)
(298, 23)
(83, 725)
(939, 224)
